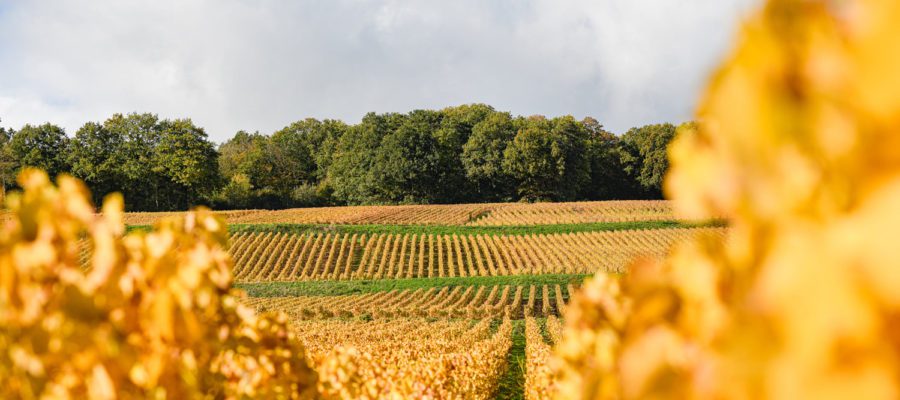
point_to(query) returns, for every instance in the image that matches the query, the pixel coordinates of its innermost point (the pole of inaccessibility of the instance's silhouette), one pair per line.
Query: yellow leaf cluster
(149, 315)
(798, 146)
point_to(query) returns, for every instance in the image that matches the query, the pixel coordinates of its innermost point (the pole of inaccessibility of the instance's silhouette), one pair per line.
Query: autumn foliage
(798, 146)
(149, 315)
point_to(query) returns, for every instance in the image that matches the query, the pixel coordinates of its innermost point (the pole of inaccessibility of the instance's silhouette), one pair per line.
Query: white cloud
(259, 65)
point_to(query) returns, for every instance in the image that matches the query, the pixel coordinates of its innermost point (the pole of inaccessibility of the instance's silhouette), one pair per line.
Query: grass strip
(512, 383)
(338, 288)
(461, 230)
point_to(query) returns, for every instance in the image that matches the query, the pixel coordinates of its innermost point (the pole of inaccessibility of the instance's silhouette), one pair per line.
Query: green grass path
(512, 384)
(337, 288)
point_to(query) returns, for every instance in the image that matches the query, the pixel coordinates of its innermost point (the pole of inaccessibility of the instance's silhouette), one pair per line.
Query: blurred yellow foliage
(152, 315)
(798, 146)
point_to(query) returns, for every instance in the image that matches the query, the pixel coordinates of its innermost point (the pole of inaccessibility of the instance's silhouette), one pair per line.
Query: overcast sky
(261, 64)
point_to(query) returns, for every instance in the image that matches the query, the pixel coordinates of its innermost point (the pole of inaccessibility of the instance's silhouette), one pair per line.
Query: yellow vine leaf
(798, 147)
(87, 311)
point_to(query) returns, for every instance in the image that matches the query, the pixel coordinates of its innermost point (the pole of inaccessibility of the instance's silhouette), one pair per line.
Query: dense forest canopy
(463, 154)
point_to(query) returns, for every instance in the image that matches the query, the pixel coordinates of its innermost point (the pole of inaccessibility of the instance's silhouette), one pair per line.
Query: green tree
(248, 156)
(645, 156)
(291, 153)
(534, 160)
(323, 139)
(187, 161)
(482, 157)
(467, 153)
(455, 130)
(302, 152)
(96, 156)
(548, 159)
(237, 155)
(284, 169)
(608, 179)
(237, 193)
(8, 163)
(327, 137)
(142, 186)
(156, 164)
(407, 164)
(353, 170)
(42, 146)
(571, 141)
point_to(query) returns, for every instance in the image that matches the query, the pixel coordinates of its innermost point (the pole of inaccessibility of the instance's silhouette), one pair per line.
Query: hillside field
(408, 290)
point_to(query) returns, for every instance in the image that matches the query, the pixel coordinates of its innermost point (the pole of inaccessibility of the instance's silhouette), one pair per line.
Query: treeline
(469, 153)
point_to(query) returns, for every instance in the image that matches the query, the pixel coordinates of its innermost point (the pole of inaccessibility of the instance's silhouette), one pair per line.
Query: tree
(250, 157)
(534, 160)
(142, 186)
(8, 163)
(237, 155)
(467, 153)
(571, 139)
(302, 152)
(327, 136)
(608, 180)
(187, 161)
(482, 157)
(352, 173)
(284, 169)
(42, 146)
(237, 193)
(407, 165)
(455, 130)
(548, 159)
(156, 164)
(96, 156)
(645, 156)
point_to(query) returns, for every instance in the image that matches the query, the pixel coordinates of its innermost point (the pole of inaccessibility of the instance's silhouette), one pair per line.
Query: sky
(258, 65)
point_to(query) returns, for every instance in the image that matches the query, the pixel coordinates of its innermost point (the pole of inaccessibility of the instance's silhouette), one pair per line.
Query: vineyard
(479, 311)
(387, 312)
(495, 214)
(451, 339)
(435, 342)
(276, 256)
(471, 302)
